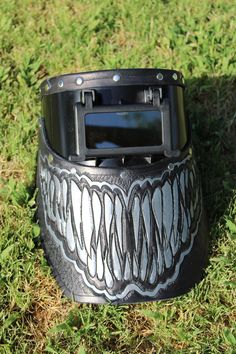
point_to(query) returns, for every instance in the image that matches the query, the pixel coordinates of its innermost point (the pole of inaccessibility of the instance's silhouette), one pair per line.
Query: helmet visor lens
(123, 129)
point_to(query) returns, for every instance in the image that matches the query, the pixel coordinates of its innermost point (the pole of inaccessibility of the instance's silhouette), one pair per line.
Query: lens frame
(82, 152)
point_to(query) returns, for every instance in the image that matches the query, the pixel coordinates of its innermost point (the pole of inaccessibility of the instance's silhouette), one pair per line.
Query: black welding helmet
(120, 204)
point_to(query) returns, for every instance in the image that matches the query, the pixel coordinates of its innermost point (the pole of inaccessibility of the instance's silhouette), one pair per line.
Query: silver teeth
(118, 219)
(175, 236)
(47, 176)
(51, 191)
(173, 243)
(168, 256)
(108, 214)
(191, 178)
(186, 178)
(64, 198)
(97, 211)
(50, 203)
(58, 219)
(57, 189)
(187, 212)
(158, 215)
(144, 261)
(60, 207)
(42, 173)
(43, 187)
(157, 207)
(116, 261)
(196, 199)
(127, 271)
(64, 192)
(153, 274)
(100, 267)
(99, 228)
(82, 254)
(91, 261)
(185, 232)
(146, 212)
(63, 227)
(135, 218)
(69, 233)
(107, 275)
(159, 257)
(76, 207)
(168, 207)
(47, 199)
(182, 184)
(87, 219)
(135, 266)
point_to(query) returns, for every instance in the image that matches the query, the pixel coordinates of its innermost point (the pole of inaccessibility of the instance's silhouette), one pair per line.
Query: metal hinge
(153, 95)
(87, 97)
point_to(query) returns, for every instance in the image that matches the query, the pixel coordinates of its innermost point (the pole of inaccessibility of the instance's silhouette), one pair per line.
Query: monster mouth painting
(133, 240)
(120, 204)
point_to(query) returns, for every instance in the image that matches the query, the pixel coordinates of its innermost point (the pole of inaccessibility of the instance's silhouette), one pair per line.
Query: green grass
(42, 38)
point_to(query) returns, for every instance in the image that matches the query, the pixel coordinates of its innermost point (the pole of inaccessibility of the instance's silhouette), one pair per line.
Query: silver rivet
(73, 170)
(159, 76)
(60, 83)
(171, 166)
(116, 77)
(79, 81)
(46, 87)
(175, 76)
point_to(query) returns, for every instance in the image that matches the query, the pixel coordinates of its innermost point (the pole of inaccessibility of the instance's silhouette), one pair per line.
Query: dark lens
(123, 129)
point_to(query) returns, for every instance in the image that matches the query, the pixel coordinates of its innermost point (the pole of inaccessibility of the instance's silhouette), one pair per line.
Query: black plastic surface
(61, 107)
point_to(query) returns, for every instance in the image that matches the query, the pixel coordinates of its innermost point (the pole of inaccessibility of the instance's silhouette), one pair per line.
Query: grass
(42, 38)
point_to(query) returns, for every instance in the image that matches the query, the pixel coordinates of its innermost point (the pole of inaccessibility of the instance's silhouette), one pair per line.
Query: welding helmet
(119, 203)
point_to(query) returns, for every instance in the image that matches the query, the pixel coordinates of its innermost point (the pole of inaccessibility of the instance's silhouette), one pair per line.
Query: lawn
(44, 38)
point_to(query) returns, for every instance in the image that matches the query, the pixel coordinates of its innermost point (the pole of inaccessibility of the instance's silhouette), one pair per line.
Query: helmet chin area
(120, 204)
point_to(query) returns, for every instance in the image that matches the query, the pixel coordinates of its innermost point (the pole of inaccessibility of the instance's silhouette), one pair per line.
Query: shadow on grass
(211, 107)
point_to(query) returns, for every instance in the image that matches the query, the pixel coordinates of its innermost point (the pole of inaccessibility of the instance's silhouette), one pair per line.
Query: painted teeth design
(123, 240)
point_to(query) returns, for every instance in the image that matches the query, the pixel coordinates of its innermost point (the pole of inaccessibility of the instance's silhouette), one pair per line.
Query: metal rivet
(79, 81)
(46, 87)
(116, 77)
(73, 170)
(60, 83)
(175, 76)
(159, 76)
(171, 166)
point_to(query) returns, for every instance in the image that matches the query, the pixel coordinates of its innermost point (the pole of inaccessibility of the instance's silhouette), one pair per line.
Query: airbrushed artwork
(120, 203)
